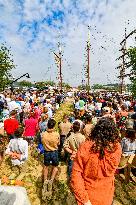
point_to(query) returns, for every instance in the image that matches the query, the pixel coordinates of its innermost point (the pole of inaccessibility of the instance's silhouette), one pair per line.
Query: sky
(33, 28)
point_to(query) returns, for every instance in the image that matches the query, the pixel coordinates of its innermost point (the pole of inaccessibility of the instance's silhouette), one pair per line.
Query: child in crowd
(17, 148)
(50, 141)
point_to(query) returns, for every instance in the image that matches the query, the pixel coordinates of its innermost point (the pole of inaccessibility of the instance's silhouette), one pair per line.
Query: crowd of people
(99, 131)
(25, 114)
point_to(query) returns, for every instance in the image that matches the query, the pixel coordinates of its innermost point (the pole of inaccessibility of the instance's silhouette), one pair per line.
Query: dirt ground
(31, 175)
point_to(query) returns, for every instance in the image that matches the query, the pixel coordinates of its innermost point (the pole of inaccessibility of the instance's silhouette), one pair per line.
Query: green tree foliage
(42, 84)
(6, 65)
(66, 85)
(25, 83)
(50, 83)
(97, 86)
(132, 57)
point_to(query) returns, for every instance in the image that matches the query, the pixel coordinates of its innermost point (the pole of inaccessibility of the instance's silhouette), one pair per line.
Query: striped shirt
(128, 147)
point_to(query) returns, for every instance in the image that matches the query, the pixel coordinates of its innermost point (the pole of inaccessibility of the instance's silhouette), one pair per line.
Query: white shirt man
(20, 146)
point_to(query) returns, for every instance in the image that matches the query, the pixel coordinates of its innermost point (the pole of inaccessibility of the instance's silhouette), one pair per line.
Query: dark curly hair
(131, 134)
(105, 135)
(76, 126)
(51, 123)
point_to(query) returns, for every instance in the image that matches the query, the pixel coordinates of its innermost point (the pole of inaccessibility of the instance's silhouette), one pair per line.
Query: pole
(88, 66)
(11, 84)
(123, 64)
(26, 74)
(123, 72)
(122, 80)
(59, 65)
(60, 72)
(88, 60)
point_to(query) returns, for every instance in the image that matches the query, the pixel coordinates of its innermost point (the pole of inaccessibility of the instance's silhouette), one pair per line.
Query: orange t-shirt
(93, 179)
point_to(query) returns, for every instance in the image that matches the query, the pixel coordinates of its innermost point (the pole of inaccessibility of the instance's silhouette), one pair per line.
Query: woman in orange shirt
(96, 162)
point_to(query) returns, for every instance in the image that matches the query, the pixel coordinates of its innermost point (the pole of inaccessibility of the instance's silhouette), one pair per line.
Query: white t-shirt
(8, 100)
(13, 106)
(20, 146)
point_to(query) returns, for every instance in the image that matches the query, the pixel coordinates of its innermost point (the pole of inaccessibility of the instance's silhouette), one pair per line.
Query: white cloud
(31, 46)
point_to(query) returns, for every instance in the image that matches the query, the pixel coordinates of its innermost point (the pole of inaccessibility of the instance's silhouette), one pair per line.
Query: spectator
(64, 127)
(128, 143)
(81, 106)
(18, 148)
(88, 127)
(31, 128)
(1, 127)
(78, 119)
(12, 105)
(43, 123)
(11, 125)
(5, 112)
(1, 105)
(72, 144)
(97, 159)
(50, 141)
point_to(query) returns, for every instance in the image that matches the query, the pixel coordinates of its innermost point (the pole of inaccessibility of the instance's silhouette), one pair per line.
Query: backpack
(41, 148)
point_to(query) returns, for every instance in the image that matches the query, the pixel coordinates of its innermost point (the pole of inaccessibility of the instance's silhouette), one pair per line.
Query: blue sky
(33, 28)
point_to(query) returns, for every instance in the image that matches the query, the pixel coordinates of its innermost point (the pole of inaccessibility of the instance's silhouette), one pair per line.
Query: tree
(40, 85)
(6, 65)
(50, 83)
(25, 83)
(132, 57)
(66, 85)
(97, 86)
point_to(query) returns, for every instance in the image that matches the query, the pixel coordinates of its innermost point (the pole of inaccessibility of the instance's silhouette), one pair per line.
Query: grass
(125, 193)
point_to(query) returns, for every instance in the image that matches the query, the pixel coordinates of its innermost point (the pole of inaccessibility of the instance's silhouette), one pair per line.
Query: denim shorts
(51, 158)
